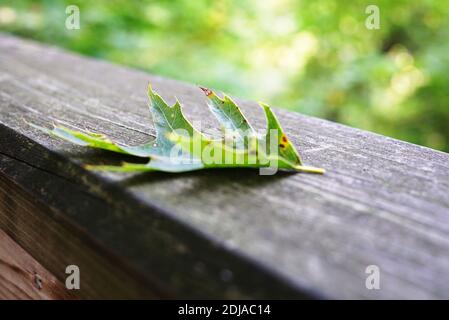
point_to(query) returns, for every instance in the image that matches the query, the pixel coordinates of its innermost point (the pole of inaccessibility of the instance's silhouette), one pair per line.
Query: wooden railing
(210, 234)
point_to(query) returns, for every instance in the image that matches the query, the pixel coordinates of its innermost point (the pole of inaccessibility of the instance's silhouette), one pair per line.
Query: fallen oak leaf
(179, 147)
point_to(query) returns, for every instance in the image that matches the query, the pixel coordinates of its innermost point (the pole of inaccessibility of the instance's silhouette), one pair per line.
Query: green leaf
(283, 145)
(90, 139)
(217, 154)
(229, 115)
(179, 147)
(167, 120)
(155, 164)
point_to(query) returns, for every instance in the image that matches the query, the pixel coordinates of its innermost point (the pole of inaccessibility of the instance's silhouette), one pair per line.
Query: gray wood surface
(230, 233)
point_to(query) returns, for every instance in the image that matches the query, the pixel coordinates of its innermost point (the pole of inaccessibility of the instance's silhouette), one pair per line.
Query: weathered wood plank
(49, 236)
(382, 201)
(22, 277)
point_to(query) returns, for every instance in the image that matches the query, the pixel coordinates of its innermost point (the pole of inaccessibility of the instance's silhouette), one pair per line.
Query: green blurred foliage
(315, 57)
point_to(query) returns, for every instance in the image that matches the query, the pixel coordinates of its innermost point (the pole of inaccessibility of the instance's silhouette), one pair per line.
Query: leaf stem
(310, 169)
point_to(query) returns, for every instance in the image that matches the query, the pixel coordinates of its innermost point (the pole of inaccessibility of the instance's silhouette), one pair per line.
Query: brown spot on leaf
(208, 92)
(282, 146)
(284, 139)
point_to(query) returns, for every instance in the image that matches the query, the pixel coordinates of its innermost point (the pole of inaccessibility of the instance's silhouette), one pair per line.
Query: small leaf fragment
(284, 147)
(155, 164)
(229, 115)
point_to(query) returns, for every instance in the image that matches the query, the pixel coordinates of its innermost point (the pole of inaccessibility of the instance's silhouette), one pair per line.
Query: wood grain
(22, 277)
(229, 233)
(49, 236)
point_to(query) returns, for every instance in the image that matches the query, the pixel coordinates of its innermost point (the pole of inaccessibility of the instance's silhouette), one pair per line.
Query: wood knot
(37, 281)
